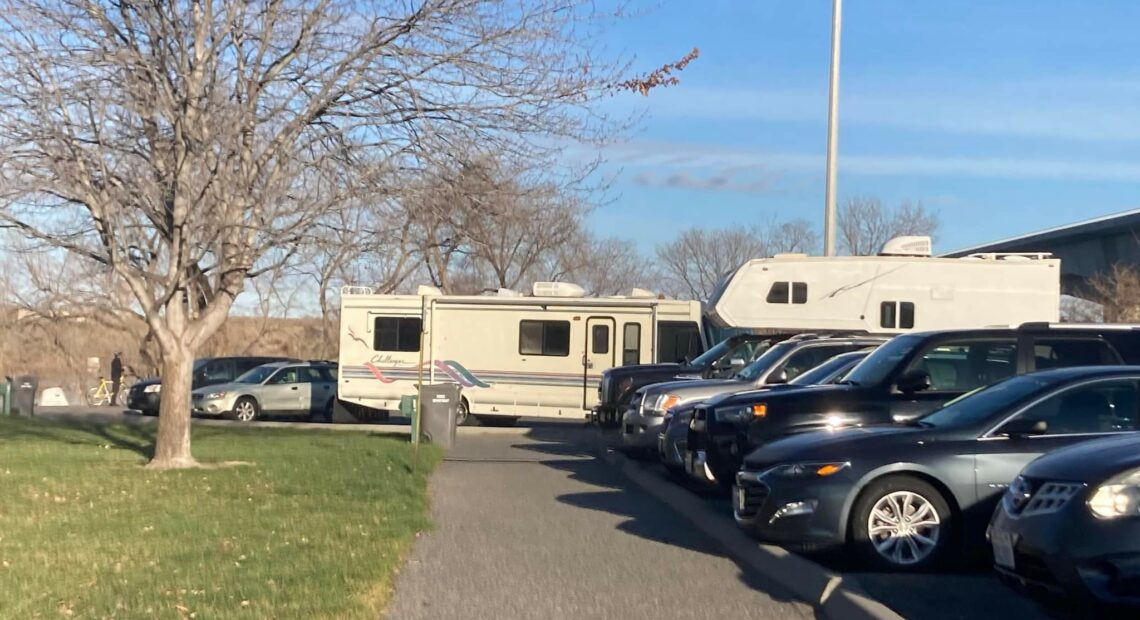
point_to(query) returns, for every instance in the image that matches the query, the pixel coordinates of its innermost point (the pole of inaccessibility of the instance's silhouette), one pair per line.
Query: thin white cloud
(726, 180)
(664, 158)
(1071, 108)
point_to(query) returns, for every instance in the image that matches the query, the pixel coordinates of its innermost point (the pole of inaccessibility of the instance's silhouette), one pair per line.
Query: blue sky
(1004, 116)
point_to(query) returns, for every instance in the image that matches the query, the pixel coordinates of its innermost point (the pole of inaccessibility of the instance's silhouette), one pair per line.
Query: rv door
(598, 355)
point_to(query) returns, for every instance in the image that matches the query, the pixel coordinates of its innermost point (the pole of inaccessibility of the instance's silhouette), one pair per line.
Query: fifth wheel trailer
(514, 355)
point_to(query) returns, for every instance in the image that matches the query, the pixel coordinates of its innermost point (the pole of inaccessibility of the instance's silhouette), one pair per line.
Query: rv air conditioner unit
(558, 289)
(640, 293)
(907, 246)
(425, 290)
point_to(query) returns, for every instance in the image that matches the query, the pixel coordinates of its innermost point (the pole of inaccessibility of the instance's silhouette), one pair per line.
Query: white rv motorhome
(514, 355)
(902, 289)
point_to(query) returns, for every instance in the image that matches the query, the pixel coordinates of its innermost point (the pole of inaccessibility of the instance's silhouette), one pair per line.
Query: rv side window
(600, 339)
(778, 294)
(550, 338)
(396, 333)
(906, 315)
(887, 315)
(799, 292)
(631, 344)
(677, 340)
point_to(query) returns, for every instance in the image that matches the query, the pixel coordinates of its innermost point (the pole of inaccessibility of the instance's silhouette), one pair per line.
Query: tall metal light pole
(832, 132)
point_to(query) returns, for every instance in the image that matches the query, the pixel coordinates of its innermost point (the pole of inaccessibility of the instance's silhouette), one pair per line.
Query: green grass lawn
(314, 527)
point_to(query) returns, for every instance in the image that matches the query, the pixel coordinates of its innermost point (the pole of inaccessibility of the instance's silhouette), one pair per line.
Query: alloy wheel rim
(461, 415)
(904, 527)
(245, 412)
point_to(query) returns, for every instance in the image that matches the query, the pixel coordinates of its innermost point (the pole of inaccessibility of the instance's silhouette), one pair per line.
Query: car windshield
(878, 365)
(704, 360)
(774, 354)
(823, 372)
(256, 375)
(977, 406)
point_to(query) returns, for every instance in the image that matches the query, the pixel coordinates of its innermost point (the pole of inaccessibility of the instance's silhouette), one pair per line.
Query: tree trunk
(172, 444)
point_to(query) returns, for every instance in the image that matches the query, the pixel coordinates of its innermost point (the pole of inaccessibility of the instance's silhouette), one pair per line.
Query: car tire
(463, 415)
(245, 410)
(922, 539)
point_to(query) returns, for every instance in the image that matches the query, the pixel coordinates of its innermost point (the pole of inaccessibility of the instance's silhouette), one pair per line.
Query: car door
(953, 367)
(281, 392)
(316, 390)
(1073, 414)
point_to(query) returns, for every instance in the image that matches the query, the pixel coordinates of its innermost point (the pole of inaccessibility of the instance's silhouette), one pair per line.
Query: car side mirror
(778, 377)
(914, 381)
(1025, 428)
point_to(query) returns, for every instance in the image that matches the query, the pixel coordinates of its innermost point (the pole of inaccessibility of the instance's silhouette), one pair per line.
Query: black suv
(721, 360)
(144, 396)
(905, 378)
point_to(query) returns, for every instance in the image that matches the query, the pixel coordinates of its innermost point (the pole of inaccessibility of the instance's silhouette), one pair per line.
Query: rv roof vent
(907, 246)
(640, 293)
(424, 289)
(558, 289)
(506, 292)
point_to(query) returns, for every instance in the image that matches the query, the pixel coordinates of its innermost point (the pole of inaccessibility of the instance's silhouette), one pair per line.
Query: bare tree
(602, 266)
(178, 145)
(865, 224)
(795, 236)
(1118, 293)
(698, 259)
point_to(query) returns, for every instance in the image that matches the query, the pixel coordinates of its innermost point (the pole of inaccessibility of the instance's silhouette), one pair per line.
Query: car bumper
(1071, 552)
(212, 406)
(791, 512)
(147, 402)
(640, 430)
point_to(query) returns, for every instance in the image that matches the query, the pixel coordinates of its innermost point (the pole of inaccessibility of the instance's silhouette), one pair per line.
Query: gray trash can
(24, 395)
(439, 405)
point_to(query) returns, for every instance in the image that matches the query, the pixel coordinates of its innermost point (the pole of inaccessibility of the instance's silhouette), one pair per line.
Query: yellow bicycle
(101, 395)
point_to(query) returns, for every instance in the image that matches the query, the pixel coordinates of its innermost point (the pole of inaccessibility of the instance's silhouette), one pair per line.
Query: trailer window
(600, 339)
(677, 340)
(396, 333)
(799, 292)
(779, 293)
(550, 338)
(893, 314)
(906, 315)
(631, 344)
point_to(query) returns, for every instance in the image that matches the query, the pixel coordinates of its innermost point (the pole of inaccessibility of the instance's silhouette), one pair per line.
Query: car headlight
(1118, 497)
(807, 470)
(740, 414)
(665, 402)
(153, 389)
(213, 395)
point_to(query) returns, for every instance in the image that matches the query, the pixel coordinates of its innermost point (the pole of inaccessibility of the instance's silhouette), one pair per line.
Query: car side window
(1066, 352)
(809, 357)
(966, 365)
(312, 375)
(285, 376)
(1101, 407)
(219, 370)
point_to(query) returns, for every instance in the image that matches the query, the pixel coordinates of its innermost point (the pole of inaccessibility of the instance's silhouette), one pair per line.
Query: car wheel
(463, 416)
(902, 523)
(245, 410)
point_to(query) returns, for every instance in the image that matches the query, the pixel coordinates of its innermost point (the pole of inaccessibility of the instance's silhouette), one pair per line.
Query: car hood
(221, 387)
(694, 388)
(842, 443)
(1091, 461)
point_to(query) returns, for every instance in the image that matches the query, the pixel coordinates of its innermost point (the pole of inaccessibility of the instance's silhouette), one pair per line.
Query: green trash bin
(408, 410)
(6, 397)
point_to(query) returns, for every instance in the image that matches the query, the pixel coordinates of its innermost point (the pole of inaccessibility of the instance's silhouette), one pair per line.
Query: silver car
(282, 388)
(644, 420)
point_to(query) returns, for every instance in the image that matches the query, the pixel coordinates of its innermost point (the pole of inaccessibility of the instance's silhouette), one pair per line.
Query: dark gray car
(905, 496)
(1070, 524)
(781, 363)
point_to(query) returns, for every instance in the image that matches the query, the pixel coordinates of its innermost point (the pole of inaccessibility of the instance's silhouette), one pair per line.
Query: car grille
(755, 494)
(1028, 497)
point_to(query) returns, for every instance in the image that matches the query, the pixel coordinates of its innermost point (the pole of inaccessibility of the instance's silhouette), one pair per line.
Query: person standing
(116, 378)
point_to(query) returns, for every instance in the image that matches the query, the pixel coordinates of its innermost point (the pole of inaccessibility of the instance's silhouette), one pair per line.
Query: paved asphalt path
(532, 525)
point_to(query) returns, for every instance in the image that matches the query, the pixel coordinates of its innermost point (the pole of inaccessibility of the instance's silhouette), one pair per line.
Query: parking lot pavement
(534, 525)
(969, 594)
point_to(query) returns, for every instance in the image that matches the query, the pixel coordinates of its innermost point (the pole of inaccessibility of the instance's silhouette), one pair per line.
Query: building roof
(1108, 224)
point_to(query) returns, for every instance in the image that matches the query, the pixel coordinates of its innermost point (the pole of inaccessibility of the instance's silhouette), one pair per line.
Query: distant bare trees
(186, 147)
(864, 224)
(695, 262)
